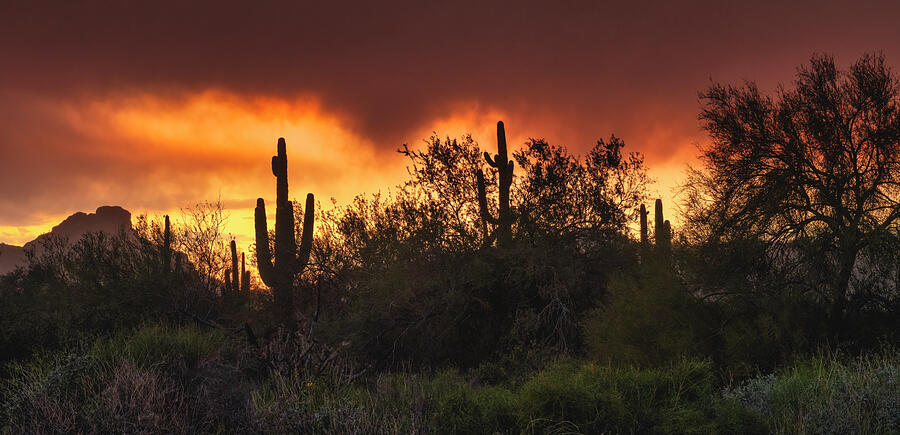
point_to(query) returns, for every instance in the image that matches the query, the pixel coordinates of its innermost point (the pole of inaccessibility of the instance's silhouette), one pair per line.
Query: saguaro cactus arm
(263, 253)
(482, 198)
(658, 222)
(245, 276)
(235, 278)
(662, 229)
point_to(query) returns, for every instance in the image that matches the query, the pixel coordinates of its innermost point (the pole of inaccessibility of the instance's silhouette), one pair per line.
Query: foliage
(563, 195)
(150, 346)
(649, 319)
(826, 395)
(201, 237)
(812, 172)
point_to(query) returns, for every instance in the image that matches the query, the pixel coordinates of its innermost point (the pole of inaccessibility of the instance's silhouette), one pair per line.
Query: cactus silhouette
(245, 276)
(288, 262)
(645, 235)
(662, 233)
(234, 282)
(503, 222)
(166, 248)
(662, 230)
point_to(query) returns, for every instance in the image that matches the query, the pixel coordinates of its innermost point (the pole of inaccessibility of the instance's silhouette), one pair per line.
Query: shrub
(649, 319)
(825, 395)
(152, 379)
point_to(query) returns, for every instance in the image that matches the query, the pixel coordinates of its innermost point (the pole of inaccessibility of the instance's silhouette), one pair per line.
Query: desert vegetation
(528, 291)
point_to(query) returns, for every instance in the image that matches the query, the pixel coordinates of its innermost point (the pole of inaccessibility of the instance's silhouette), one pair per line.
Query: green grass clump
(142, 381)
(828, 395)
(573, 396)
(155, 345)
(592, 398)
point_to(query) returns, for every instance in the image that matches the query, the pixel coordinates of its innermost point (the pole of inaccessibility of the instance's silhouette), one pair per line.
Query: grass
(156, 345)
(827, 395)
(187, 380)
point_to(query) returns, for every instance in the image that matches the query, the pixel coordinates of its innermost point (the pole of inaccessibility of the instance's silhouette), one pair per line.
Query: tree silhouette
(580, 198)
(812, 171)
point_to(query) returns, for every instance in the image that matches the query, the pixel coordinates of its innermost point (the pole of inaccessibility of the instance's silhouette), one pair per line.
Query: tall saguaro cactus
(288, 262)
(505, 217)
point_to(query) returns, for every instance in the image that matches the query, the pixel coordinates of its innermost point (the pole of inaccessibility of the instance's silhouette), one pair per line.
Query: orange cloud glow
(155, 154)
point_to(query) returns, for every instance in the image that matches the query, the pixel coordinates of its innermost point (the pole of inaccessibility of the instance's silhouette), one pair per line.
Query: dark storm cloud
(391, 66)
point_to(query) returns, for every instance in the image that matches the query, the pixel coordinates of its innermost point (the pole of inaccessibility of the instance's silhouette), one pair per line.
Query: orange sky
(214, 144)
(155, 106)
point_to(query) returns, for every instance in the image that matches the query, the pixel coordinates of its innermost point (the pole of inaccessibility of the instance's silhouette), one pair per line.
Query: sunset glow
(182, 110)
(215, 145)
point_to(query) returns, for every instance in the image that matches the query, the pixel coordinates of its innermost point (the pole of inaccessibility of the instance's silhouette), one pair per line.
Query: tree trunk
(846, 264)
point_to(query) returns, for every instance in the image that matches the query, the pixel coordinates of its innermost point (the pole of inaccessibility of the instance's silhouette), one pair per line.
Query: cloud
(389, 67)
(157, 104)
(150, 153)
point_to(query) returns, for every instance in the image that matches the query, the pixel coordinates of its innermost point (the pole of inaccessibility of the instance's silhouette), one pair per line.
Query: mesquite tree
(813, 172)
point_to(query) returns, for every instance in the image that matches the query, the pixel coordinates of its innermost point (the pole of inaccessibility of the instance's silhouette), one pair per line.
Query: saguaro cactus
(503, 222)
(662, 229)
(166, 248)
(645, 234)
(662, 233)
(233, 281)
(245, 276)
(288, 262)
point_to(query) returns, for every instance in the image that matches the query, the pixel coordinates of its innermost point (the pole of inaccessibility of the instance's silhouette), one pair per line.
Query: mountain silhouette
(112, 220)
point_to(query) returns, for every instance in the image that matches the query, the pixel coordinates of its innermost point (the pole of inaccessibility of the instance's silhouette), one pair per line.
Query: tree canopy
(812, 171)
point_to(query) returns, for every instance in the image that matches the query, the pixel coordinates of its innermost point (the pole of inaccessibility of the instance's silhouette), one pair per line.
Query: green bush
(154, 379)
(584, 397)
(649, 319)
(570, 392)
(825, 395)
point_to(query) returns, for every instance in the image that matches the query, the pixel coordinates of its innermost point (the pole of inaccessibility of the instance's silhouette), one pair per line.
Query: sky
(155, 106)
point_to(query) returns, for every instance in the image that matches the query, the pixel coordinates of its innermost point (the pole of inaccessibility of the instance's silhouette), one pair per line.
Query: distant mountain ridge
(106, 219)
